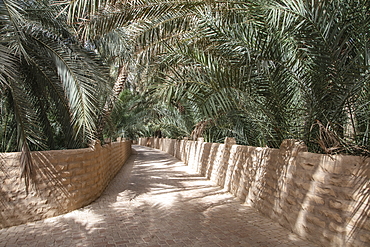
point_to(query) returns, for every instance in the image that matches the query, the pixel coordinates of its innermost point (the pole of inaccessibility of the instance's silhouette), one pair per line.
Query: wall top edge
(71, 150)
(293, 145)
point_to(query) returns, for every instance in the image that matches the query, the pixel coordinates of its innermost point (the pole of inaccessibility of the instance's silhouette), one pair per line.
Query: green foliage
(265, 71)
(137, 115)
(260, 71)
(52, 89)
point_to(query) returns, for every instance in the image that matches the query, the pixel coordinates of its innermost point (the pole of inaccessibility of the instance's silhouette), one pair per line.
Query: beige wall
(64, 180)
(323, 198)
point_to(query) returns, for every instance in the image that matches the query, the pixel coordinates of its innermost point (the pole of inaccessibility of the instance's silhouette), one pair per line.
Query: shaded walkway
(156, 201)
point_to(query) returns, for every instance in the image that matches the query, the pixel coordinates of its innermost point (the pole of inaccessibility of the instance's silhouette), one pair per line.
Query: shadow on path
(155, 200)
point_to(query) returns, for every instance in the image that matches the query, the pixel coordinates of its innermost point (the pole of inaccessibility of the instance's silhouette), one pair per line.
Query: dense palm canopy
(260, 71)
(263, 71)
(52, 89)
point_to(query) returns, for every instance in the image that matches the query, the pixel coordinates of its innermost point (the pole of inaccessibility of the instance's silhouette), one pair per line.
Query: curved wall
(63, 180)
(323, 198)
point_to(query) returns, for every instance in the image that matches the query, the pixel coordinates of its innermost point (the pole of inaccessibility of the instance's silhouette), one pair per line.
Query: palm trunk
(109, 104)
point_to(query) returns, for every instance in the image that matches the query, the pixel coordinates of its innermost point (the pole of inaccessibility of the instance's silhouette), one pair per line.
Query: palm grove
(260, 71)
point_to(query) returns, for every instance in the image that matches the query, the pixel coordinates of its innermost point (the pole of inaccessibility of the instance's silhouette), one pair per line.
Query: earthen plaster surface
(155, 200)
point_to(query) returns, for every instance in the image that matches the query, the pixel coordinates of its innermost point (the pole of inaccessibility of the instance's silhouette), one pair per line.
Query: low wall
(63, 180)
(323, 198)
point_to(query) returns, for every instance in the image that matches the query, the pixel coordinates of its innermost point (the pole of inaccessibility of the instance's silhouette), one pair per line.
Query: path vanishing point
(155, 200)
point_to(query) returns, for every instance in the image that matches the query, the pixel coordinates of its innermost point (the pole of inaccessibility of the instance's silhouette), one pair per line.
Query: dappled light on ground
(155, 200)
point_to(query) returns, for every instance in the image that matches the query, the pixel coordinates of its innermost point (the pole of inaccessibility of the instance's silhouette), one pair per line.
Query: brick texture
(323, 198)
(63, 180)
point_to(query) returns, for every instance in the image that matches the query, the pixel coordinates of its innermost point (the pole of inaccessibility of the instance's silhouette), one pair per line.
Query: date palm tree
(270, 70)
(53, 89)
(261, 71)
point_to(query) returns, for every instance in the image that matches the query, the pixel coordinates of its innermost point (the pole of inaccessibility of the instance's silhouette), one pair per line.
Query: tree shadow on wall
(238, 181)
(359, 217)
(306, 197)
(47, 196)
(49, 180)
(266, 179)
(17, 207)
(171, 207)
(292, 190)
(3, 175)
(5, 197)
(256, 171)
(138, 220)
(209, 159)
(294, 193)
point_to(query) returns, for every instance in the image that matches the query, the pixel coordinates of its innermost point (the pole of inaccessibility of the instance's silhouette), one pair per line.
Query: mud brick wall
(63, 180)
(323, 198)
